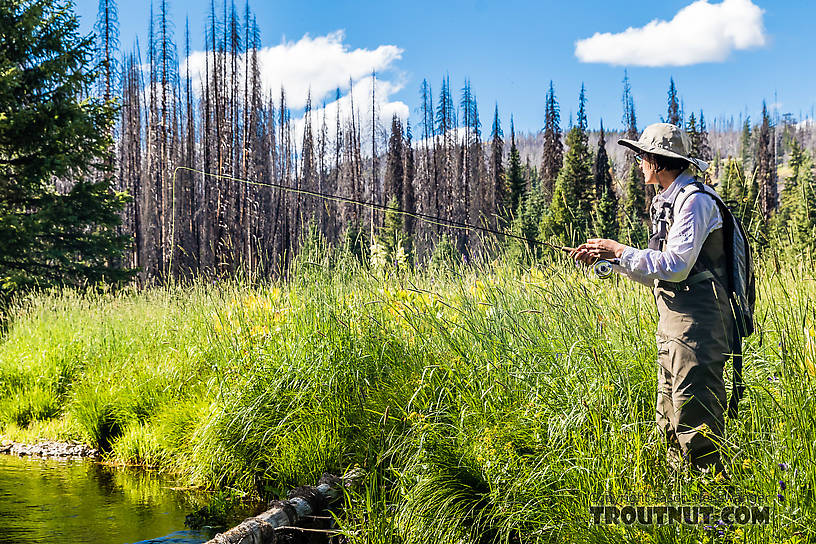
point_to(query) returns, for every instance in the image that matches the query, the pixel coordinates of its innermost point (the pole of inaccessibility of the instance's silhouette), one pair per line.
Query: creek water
(56, 502)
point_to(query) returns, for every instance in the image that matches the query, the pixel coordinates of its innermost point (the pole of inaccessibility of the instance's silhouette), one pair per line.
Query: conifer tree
(234, 130)
(53, 235)
(569, 215)
(187, 249)
(469, 153)
(765, 168)
(106, 49)
(694, 135)
(790, 193)
(409, 172)
(632, 220)
(478, 190)
(444, 154)
(746, 147)
(530, 214)
(427, 179)
(715, 166)
(427, 111)
(605, 214)
(515, 179)
(635, 203)
(586, 189)
(795, 221)
(130, 156)
(637, 193)
(581, 117)
(601, 174)
(735, 192)
(394, 165)
(498, 181)
(553, 156)
(673, 114)
(705, 146)
(803, 212)
(629, 117)
(307, 171)
(445, 112)
(725, 180)
(467, 105)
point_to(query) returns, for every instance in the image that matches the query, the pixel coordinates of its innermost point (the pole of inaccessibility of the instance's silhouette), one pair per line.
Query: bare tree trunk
(373, 191)
(304, 501)
(130, 158)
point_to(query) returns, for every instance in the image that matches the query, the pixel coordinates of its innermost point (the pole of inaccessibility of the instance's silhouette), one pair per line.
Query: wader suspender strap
(666, 214)
(737, 385)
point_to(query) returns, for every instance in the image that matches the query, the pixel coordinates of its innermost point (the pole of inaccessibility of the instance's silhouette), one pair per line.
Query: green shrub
(37, 403)
(139, 445)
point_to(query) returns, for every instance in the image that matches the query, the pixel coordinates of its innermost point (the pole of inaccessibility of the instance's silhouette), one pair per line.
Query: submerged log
(302, 502)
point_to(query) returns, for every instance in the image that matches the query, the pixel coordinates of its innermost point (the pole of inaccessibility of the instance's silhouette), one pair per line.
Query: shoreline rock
(48, 449)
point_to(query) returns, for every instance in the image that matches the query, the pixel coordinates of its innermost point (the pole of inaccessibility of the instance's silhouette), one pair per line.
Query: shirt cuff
(627, 257)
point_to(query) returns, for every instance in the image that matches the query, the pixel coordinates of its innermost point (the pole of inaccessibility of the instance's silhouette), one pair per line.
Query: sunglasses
(638, 158)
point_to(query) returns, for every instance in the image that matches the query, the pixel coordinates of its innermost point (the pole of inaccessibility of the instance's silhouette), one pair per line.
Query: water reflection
(50, 501)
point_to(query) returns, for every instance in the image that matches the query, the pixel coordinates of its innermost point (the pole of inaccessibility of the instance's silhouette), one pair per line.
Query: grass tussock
(488, 404)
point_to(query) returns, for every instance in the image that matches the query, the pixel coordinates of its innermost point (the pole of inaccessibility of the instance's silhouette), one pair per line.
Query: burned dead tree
(200, 142)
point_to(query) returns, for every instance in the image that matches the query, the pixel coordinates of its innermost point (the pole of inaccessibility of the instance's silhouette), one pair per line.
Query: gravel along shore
(64, 450)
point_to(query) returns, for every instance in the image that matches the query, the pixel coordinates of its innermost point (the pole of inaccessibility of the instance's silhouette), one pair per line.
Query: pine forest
(206, 163)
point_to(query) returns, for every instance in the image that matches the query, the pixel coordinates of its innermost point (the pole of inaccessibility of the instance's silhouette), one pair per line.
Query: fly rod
(601, 267)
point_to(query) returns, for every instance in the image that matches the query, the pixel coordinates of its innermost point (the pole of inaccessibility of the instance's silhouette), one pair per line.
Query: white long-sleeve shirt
(696, 218)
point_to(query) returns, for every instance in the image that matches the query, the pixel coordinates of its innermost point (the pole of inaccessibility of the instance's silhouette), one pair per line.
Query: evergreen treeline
(58, 217)
(184, 223)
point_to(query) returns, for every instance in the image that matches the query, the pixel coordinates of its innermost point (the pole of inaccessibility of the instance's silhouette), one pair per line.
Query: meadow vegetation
(487, 403)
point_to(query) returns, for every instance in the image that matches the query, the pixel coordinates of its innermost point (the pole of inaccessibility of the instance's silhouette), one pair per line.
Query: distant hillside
(724, 143)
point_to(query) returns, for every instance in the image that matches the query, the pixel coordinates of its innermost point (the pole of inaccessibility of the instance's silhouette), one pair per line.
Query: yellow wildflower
(260, 330)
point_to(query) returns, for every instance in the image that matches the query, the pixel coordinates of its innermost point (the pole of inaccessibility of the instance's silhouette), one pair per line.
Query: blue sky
(735, 52)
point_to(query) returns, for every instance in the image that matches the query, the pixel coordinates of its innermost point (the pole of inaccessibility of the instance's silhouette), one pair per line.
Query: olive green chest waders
(693, 332)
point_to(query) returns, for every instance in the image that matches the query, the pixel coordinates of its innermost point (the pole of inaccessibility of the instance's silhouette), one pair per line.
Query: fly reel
(603, 269)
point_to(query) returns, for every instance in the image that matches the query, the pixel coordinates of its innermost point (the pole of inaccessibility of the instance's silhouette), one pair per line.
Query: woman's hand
(597, 248)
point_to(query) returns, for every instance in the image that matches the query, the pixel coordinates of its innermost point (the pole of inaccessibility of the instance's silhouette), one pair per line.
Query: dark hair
(663, 162)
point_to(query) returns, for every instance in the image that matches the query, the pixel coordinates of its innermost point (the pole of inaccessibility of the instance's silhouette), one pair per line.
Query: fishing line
(602, 267)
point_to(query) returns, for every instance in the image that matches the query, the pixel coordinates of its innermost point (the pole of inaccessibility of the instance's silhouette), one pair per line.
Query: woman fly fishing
(686, 264)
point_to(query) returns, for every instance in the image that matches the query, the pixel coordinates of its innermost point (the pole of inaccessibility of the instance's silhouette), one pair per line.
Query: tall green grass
(491, 403)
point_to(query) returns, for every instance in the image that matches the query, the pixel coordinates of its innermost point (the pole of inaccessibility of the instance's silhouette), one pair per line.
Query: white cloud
(700, 32)
(321, 64)
(361, 94)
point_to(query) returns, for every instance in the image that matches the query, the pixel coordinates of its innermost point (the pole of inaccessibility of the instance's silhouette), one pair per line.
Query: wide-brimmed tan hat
(667, 140)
